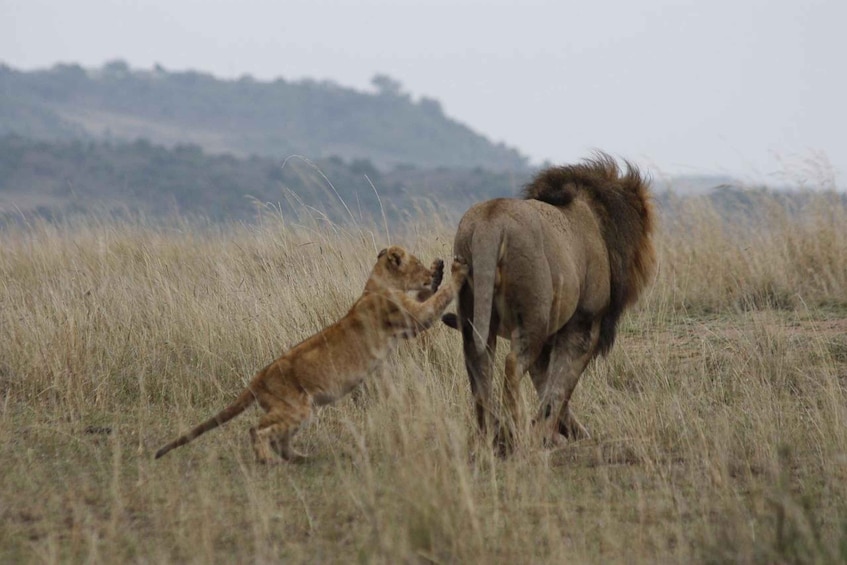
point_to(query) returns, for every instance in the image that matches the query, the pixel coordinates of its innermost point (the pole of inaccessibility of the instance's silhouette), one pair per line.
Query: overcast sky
(755, 88)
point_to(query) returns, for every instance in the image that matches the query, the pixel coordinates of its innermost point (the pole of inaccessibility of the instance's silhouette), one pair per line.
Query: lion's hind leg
(523, 355)
(479, 364)
(570, 427)
(572, 349)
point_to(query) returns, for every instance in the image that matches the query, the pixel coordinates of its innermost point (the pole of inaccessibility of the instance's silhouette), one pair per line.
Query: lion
(551, 272)
(331, 363)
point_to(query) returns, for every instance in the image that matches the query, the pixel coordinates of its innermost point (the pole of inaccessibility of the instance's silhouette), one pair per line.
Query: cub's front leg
(421, 315)
(437, 269)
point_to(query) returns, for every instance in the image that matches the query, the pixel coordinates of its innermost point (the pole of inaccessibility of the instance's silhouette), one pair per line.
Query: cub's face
(401, 270)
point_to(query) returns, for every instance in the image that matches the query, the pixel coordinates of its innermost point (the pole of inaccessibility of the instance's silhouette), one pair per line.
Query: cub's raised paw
(437, 274)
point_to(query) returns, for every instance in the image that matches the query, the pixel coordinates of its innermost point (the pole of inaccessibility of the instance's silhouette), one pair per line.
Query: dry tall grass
(719, 421)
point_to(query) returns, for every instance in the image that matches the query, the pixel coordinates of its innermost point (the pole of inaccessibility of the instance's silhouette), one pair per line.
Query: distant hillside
(243, 117)
(49, 178)
(62, 177)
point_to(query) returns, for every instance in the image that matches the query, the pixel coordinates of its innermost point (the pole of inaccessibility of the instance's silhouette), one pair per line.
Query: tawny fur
(328, 365)
(552, 273)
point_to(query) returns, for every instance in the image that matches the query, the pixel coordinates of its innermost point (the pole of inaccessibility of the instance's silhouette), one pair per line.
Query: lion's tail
(241, 403)
(487, 249)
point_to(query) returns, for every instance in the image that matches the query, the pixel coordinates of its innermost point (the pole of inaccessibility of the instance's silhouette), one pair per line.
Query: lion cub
(328, 365)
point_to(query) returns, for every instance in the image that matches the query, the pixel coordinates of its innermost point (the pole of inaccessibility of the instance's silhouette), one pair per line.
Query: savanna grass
(719, 420)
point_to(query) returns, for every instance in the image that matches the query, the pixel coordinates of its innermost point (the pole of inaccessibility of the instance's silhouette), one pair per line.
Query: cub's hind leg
(277, 428)
(273, 435)
(282, 445)
(261, 445)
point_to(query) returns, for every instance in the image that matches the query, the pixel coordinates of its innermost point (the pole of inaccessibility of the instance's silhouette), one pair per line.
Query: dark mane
(621, 202)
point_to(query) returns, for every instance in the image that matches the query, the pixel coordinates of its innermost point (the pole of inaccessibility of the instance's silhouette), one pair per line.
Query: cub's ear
(395, 257)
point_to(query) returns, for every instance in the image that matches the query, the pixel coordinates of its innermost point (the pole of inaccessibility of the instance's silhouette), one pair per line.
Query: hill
(243, 117)
(56, 177)
(50, 178)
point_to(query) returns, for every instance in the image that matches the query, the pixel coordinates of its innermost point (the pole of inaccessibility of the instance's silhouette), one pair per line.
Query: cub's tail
(241, 403)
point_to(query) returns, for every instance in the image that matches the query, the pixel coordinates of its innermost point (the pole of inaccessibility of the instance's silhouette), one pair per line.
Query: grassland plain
(719, 420)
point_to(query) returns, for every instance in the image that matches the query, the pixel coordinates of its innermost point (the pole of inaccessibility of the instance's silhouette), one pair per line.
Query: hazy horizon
(749, 88)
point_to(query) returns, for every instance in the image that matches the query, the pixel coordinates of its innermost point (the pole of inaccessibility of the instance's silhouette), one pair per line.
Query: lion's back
(529, 227)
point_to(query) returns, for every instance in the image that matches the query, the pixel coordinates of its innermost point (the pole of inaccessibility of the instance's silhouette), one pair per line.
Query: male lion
(553, 273)
(328, 365)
